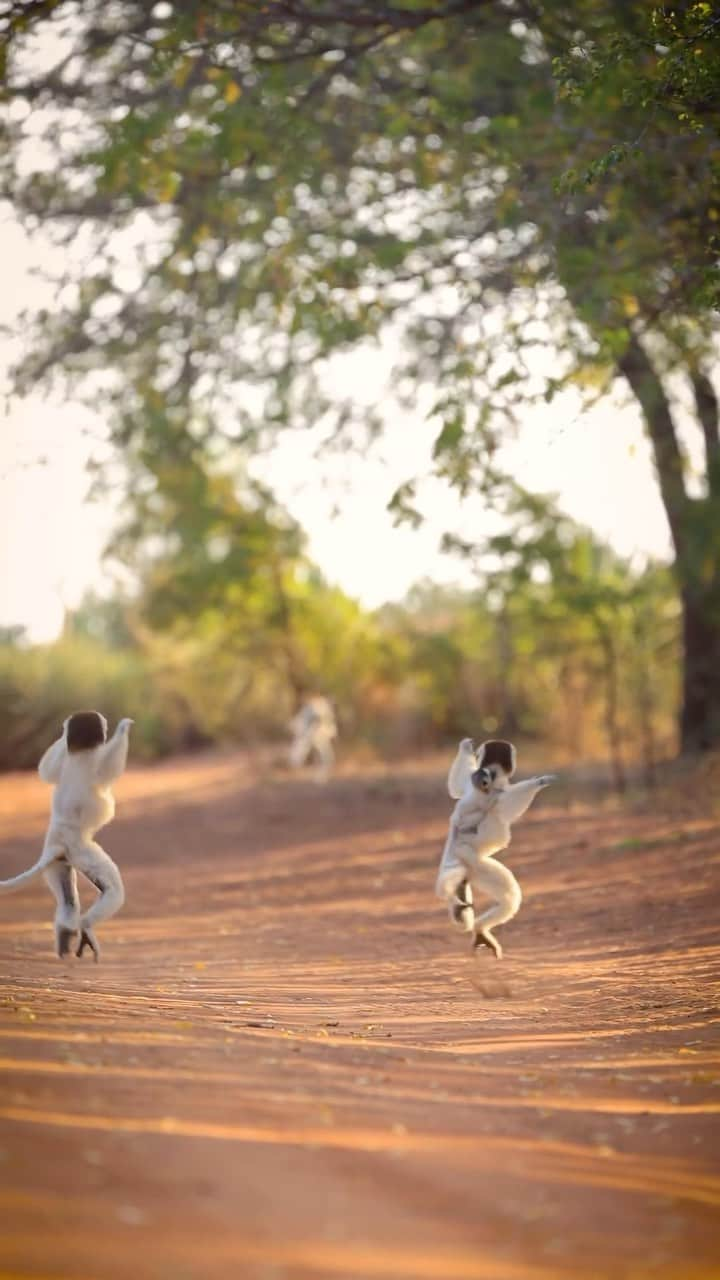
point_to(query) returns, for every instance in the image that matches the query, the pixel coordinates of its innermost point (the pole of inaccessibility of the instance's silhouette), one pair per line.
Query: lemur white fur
(82, 803)
(480, 826)
(314, 730)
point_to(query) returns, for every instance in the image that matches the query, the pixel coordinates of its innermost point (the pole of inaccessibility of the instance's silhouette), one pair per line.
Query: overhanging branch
(635, 365)
(708, 412)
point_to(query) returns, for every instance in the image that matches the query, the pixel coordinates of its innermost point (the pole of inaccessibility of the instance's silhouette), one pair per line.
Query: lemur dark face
(496, 757)
(85, 730)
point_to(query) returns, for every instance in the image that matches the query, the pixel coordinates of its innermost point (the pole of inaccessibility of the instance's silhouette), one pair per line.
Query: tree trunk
(636, 366)
(508, 717)
(643, 683)
(700, 719)
(695, 527)
(295, 672)
(612, 726)
(708, 412)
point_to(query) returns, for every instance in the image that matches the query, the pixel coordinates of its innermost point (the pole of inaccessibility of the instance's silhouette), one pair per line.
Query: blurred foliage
(562, 642)
(40, 686)
(662, 64)
(455, 153)
(243, 190)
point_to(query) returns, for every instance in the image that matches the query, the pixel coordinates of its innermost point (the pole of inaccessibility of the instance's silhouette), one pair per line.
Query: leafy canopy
(253, 188)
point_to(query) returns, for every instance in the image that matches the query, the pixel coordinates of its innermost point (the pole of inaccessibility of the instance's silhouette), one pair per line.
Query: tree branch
(373, 15)
(708, 412)
(635, 365)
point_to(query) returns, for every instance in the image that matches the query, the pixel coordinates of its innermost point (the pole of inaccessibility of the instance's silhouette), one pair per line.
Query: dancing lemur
(488, 804)
(314, 729)
(83, 765)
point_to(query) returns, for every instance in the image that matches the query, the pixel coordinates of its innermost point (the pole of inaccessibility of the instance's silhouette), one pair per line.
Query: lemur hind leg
(325, 753)
(101, 871)
(461, 907)
(62, 882)
(494, 880)
(453, 887)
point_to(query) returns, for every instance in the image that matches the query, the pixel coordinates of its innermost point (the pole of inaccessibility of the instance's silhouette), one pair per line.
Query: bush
(40, 686)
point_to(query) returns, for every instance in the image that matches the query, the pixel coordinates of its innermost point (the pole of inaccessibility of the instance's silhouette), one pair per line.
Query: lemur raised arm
(480, 826)
(82, 765)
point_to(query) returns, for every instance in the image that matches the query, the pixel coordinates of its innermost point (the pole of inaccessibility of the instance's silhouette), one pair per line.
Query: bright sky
(53, 533)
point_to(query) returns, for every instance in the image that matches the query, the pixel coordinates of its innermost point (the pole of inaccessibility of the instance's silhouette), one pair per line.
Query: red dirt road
(288, 1065)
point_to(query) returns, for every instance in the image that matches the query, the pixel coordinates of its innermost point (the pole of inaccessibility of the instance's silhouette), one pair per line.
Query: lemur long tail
(19, 881)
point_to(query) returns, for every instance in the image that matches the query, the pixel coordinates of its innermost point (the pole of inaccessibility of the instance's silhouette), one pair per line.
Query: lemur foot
(63, 939)
(87, 939)
(484, 938)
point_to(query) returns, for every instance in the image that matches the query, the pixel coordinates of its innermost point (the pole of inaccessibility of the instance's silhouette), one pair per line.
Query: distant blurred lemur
(314, 730)
(488, 804)
(83, 766)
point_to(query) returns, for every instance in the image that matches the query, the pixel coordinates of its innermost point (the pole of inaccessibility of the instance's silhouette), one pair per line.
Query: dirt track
(287, 1065)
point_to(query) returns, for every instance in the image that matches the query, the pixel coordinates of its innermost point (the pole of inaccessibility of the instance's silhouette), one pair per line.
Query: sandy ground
(288, 1065)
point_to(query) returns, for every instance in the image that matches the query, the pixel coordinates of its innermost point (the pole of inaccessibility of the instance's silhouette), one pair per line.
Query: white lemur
(488, 804)
(314, 729)
(83, 765)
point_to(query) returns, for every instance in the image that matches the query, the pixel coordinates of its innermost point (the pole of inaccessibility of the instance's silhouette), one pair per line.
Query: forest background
(520, 200)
